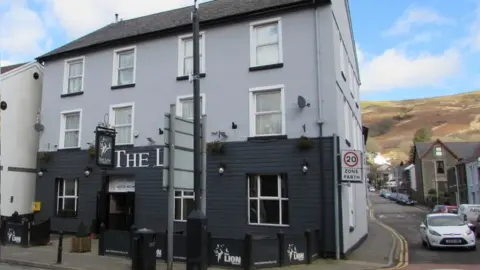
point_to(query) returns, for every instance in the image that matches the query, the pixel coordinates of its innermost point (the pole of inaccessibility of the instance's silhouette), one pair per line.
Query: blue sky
(407, 48)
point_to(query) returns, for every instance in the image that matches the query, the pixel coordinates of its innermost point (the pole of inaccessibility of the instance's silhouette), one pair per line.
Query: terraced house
(260, 60)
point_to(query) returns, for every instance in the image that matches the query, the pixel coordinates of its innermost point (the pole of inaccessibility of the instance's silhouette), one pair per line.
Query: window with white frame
(124, 63)
(346, 115)
(184, 204)
(438, 151)
(70, 129)
(66, 197)
(185, 106)
(122, 117)
(268, 199)
(185, 54)
(266, 42)
(267, 112)
(74, 69)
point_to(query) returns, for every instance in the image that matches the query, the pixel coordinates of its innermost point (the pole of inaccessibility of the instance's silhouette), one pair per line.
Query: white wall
(19, 140)
(473, 182)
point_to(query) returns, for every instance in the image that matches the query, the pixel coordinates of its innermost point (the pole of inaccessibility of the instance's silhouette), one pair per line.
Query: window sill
(343, 76)
(126, 145)
(266, 138)
(265, 67)
(267, 225)
(351, 94)
(123, 86)
(72, 149)
(71, 94)
(348, 143)
(184, 78)
(356, 105)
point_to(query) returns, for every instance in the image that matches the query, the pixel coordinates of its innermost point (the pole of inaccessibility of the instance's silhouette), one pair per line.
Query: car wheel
(424, 243)
(428, 244)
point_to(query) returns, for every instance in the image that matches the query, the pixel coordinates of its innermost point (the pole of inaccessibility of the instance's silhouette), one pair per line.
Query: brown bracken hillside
(393, 123)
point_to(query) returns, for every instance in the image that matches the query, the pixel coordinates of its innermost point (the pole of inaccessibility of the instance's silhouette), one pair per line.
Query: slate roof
(6, 69)
(461, 149)
(219, 11)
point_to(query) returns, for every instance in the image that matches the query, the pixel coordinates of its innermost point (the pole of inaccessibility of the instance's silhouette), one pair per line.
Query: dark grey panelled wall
(310, 195)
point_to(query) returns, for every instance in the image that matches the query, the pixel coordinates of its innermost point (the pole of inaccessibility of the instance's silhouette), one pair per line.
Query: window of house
(122, 118)
(268, 199)
(267, 112)
(185, 54)
(74, 73)
(184, 204)
(124, 63)
(70, 129)
(438, 151)
(66, 197)
(185, 106)
(440, 167)
(343, 58)
(346, 115)
(266, 42)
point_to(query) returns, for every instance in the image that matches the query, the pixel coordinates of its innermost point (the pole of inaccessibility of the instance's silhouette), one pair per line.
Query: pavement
(405, 221)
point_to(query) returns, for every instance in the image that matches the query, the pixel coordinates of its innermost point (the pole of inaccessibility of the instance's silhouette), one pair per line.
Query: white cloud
(5, 63)
(416, 16)
(394, 69)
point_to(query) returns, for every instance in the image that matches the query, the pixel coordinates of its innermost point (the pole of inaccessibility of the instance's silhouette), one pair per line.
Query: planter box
(81, 244)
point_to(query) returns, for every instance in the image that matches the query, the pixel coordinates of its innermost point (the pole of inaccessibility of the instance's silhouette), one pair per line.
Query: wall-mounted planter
(305, 143)
(44, 156)
(92, 151)
(216, 147)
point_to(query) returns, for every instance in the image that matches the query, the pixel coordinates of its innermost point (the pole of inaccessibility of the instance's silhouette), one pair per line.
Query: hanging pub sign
(105, 147)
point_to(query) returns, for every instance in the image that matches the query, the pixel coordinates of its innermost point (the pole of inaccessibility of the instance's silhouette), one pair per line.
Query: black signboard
(105, 147)
(265, 253)
(295, 249)
(227, 252)
(179, 247)
(14, 233)
(117, 243)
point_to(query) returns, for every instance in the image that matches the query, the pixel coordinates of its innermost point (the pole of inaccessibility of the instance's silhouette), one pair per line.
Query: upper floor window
(74, 73)
(66, 197)
(266, 42)
(70, 129)
(268, 199)
(185, 54)
(122, 118)
(438, 151)
(185, 106)
(184, 204)
(343, 58)
(124, 65)
(267, 111)
(440, 165)
(347, 116)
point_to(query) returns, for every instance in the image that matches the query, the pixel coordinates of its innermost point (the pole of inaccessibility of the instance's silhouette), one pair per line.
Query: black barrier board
(226, 252)
(40, 233)
(14, 233)
(117, 242)
(179, 247)
(295, 251)
(315, 243)
(265, 252)
(161, 246)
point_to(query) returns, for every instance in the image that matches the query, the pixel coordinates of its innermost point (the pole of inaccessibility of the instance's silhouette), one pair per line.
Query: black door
(130, 209)
(101, 213)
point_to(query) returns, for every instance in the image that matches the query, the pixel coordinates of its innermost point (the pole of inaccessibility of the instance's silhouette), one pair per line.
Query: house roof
(459, 149)
(168, 22)
(8, 68)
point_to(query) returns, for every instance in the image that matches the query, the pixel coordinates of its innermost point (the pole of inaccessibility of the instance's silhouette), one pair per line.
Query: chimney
(116, 17)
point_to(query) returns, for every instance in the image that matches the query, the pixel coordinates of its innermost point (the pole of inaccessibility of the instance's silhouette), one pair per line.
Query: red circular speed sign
(350, 159)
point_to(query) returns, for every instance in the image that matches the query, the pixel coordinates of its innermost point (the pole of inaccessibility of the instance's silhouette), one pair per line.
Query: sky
(406, 48)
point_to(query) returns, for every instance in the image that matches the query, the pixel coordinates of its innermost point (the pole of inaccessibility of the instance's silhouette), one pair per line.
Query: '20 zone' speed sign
(352, 166)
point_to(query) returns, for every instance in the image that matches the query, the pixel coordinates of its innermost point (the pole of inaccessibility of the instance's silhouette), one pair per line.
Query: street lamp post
(197, 238)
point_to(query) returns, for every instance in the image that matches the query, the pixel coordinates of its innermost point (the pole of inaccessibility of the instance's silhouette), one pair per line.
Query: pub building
(265, 174)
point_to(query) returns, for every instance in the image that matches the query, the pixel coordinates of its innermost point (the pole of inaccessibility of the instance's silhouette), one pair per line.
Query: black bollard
(60, 247)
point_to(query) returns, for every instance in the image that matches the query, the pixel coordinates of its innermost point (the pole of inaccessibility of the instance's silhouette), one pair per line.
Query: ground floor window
(66, 197)
(268, 199)
(184, 204)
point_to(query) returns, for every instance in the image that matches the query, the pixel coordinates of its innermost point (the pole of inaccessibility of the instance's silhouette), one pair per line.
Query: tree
(423, 134)
(373, 146)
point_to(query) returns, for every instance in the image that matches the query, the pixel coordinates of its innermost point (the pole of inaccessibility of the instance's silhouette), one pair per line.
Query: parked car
(477, 226)
(371, 189)
(393, 196)
(469, 213)
(446, 230)
(404, 199)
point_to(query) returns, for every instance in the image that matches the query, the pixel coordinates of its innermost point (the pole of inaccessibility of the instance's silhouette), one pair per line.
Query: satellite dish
(302, 103)
(38, 127)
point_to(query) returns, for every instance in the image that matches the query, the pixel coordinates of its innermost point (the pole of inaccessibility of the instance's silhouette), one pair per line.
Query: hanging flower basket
(92, 151)
(305, 143)
(216, 147)
(44, 156)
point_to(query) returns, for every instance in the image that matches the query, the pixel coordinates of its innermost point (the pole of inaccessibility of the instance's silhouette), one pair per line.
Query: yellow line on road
(403, 255)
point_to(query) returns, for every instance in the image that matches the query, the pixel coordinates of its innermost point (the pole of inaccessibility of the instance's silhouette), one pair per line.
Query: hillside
(393, 123)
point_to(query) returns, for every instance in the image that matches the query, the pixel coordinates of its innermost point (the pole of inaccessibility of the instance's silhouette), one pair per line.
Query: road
(13, 267)
(406, 221)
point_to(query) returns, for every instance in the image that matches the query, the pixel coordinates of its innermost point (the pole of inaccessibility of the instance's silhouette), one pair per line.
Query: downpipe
(336, 218)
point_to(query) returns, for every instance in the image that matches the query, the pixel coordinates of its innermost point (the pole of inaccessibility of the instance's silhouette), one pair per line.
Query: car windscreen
(437, 221)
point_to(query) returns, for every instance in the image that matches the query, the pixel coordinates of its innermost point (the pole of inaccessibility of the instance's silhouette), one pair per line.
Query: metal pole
(336, 185)
(171, 190)
(204, 165)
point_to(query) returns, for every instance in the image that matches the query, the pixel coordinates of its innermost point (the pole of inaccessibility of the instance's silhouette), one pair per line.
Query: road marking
(403, 256)
(382, 216)
(400, 216)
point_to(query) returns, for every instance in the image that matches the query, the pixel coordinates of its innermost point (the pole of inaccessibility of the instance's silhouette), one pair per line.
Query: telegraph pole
(197, 246)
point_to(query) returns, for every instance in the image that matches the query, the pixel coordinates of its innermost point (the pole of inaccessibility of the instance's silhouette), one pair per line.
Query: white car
(371, 189)
(446, 230)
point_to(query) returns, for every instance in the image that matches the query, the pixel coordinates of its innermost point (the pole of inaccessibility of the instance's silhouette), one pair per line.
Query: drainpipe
(336, 216)
(456, 182)
(317, 65)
